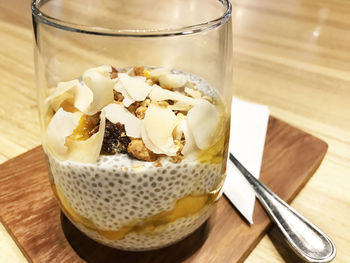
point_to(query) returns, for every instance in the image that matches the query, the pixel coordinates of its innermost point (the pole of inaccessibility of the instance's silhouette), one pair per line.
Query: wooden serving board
(29, 210)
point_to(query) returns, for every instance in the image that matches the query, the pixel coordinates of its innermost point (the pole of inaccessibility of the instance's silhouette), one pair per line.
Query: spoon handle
(308, 241)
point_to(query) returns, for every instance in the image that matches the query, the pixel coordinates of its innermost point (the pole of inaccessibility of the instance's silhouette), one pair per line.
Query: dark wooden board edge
(5, 166)
(14, 238)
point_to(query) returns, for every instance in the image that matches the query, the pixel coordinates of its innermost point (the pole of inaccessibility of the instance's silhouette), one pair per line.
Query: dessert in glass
(134, 101)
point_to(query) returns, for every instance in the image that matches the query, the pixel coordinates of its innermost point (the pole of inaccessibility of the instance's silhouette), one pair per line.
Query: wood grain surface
(292, 55)
(31, 214)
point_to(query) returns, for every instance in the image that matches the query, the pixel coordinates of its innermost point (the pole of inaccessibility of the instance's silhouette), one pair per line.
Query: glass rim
(157, 32)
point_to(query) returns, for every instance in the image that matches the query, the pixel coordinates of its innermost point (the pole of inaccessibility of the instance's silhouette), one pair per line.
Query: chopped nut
(115, 139)
(157, 164)
(139, 71)
(118, 96)
(139, 108)
(155, 81)
(180, 115)
(138, 150)
(180, 112)
(140, 112)
(146, 102)
(150, 82)
(132, 107)
(180, 144)
(177, 158)
(114, 73)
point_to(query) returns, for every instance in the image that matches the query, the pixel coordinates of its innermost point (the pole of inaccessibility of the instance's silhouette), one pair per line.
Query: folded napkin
(247, 139)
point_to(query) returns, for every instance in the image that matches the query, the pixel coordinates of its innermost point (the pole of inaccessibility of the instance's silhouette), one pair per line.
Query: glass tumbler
(134, 103)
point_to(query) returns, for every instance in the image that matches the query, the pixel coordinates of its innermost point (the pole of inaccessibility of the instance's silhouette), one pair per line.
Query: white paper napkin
(247, 139)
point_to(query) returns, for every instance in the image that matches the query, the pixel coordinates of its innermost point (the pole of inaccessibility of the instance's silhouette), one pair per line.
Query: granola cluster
(115, 139)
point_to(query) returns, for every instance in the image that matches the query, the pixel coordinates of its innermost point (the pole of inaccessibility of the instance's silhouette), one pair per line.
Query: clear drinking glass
(134, 101)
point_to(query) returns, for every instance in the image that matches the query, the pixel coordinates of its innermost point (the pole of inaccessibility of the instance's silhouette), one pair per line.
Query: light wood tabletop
(292, 55)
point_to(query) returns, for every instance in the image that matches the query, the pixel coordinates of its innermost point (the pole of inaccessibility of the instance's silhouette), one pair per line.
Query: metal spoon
(308, 241)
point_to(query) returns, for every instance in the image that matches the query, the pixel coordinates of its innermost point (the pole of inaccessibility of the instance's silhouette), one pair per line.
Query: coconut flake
(190, 149)
(61, 88)
(156, 73)
(74, 92)
(83, 98)
(102, 89)
(147, 141)
(117, 113)
(178, 131)
(158, 94)
(181, 106)
(57, 101)
(60, 94)
(105, 70)
(158, 125)
(193, 93)
(172, 81)
(136, 87)
(203, 120)
(61, 125)
(87, 151)
(127, 101)
(88, 97)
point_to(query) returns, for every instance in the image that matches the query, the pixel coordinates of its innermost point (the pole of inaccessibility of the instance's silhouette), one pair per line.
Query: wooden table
(292, 55)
